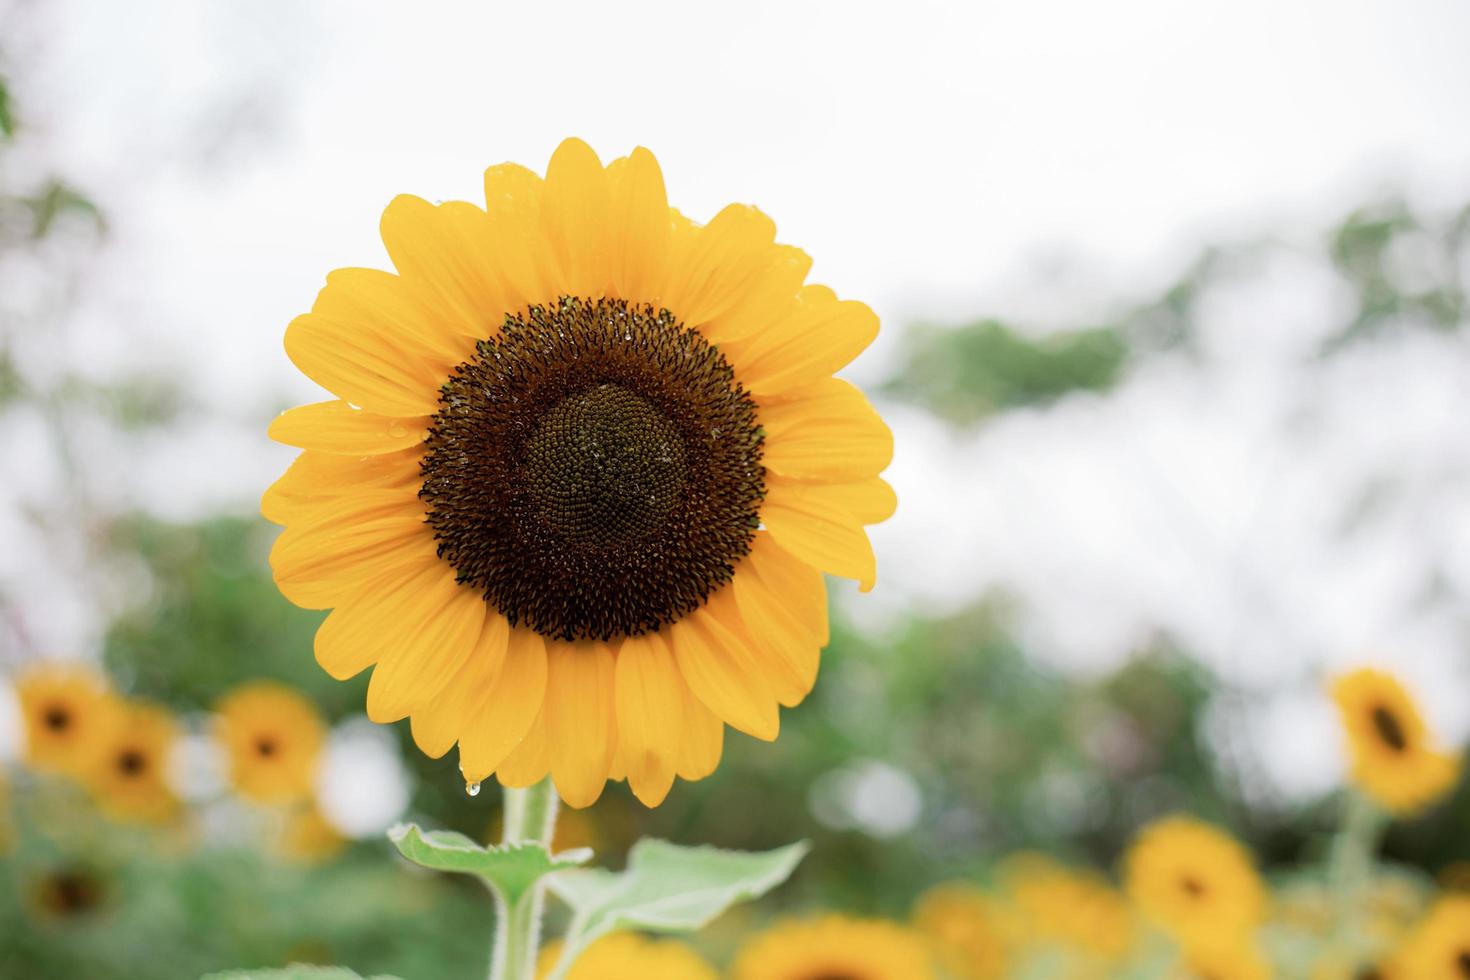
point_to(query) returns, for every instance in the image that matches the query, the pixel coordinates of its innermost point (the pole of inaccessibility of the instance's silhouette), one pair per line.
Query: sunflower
(584, 468)
(629, 956)
(309, 837)
(129, 773)
(835, 947)
(1225, 960)
(1439, 947)
(1195, 881)
(273, 737)
(1060, 905)
(67, 892)
(66, 714)
(966, 930)
(1392, 760)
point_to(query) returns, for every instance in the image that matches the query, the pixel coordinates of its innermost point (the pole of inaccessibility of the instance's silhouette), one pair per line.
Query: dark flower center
(70, 892)
(1192, 886)
(57, 718)
(595, 470)
(265, 746)
(131, 762)
(1389, 729)
(1463, 962)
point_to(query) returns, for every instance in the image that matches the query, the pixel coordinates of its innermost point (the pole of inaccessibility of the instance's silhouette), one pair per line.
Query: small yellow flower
(966, 929)
(309, 838)
(1439, 947)
(1070, 907)
(66, 713)
(273, 737)
(834, 947)
(1392, 759)
(629, 956)
(1194, 881)
(129, 774)
(1217, 959)
(585, 464)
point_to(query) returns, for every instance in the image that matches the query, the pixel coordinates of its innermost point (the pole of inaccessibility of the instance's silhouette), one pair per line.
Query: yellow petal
(529, 272)
(815, 341)
(574, 214)
(437, 725)
(808, 527)
(771, 297)
(580, 730)
(710, 268)
(780, 634)
(366, 628)
(797, 584)
(871, 501)
(423, 655)
(723, 673)
(445, 252)
(316, 479)
(331, 551)
(638, 243)
(650, 712)
(392, 308)
(529, 762)
(501, 719)
(337, 427)
(826, 432)
(703, 742)
(354, 364)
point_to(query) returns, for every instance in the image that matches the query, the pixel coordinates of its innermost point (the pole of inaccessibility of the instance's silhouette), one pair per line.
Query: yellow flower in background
(308, 837)
(66, 893)
(129, 774)
(629, 956)
(66, 712)
(966, 929)
(1195, 881)
(1060, 905)
(1392, 760)
(836, 947)
(585, 466)
(1439, 947)
(1225, 959)
(273, 737)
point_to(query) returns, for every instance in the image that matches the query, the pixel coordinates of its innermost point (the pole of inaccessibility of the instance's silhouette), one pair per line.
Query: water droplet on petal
(397, 431)
(472, 789)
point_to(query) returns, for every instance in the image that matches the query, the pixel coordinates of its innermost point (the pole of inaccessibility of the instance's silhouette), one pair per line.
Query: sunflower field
(595, 592)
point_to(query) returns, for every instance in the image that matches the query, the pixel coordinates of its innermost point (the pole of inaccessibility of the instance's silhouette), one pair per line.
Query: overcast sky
(931, 157)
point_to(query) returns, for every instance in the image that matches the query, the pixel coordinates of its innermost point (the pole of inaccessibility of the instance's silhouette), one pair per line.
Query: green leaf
(509, 869)
(7, 117)
(667, 888)
(296, 971)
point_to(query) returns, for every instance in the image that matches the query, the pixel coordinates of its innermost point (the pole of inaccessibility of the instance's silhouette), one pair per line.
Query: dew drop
(397, 431)
(472, 789)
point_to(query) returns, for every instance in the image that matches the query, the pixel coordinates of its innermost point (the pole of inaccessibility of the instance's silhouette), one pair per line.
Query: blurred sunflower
(1439, 947)
(1392, 760)
(966, 930)
(629, 956)
(1074, 908)
(273, 737)
(1214, 959)
(66, 712)
(1195, 881)
(129, 774)
(835, 947)
(67, 892)
(309, 837)
(586, 465)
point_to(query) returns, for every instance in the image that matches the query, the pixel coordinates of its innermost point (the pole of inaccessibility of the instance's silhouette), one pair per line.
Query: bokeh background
(1174, 304)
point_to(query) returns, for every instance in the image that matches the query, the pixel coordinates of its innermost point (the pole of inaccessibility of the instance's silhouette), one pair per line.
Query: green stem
(530, 818)
(1350, 863)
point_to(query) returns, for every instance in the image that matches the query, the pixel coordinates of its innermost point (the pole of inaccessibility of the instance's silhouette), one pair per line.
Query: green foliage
(666, 888)
(971, 372)
(511, 870)
(296, 971)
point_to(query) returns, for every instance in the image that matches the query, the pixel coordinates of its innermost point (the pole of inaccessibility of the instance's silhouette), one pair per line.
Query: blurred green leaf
(296, 971)
(666, 888)
(968, 373)
(58, 200)
(7, 111)
(509, 869)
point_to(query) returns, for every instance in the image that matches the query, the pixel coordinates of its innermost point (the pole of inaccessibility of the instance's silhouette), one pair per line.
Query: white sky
(929, 156)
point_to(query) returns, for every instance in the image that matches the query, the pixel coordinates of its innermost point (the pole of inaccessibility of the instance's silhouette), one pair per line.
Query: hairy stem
(530, 818)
